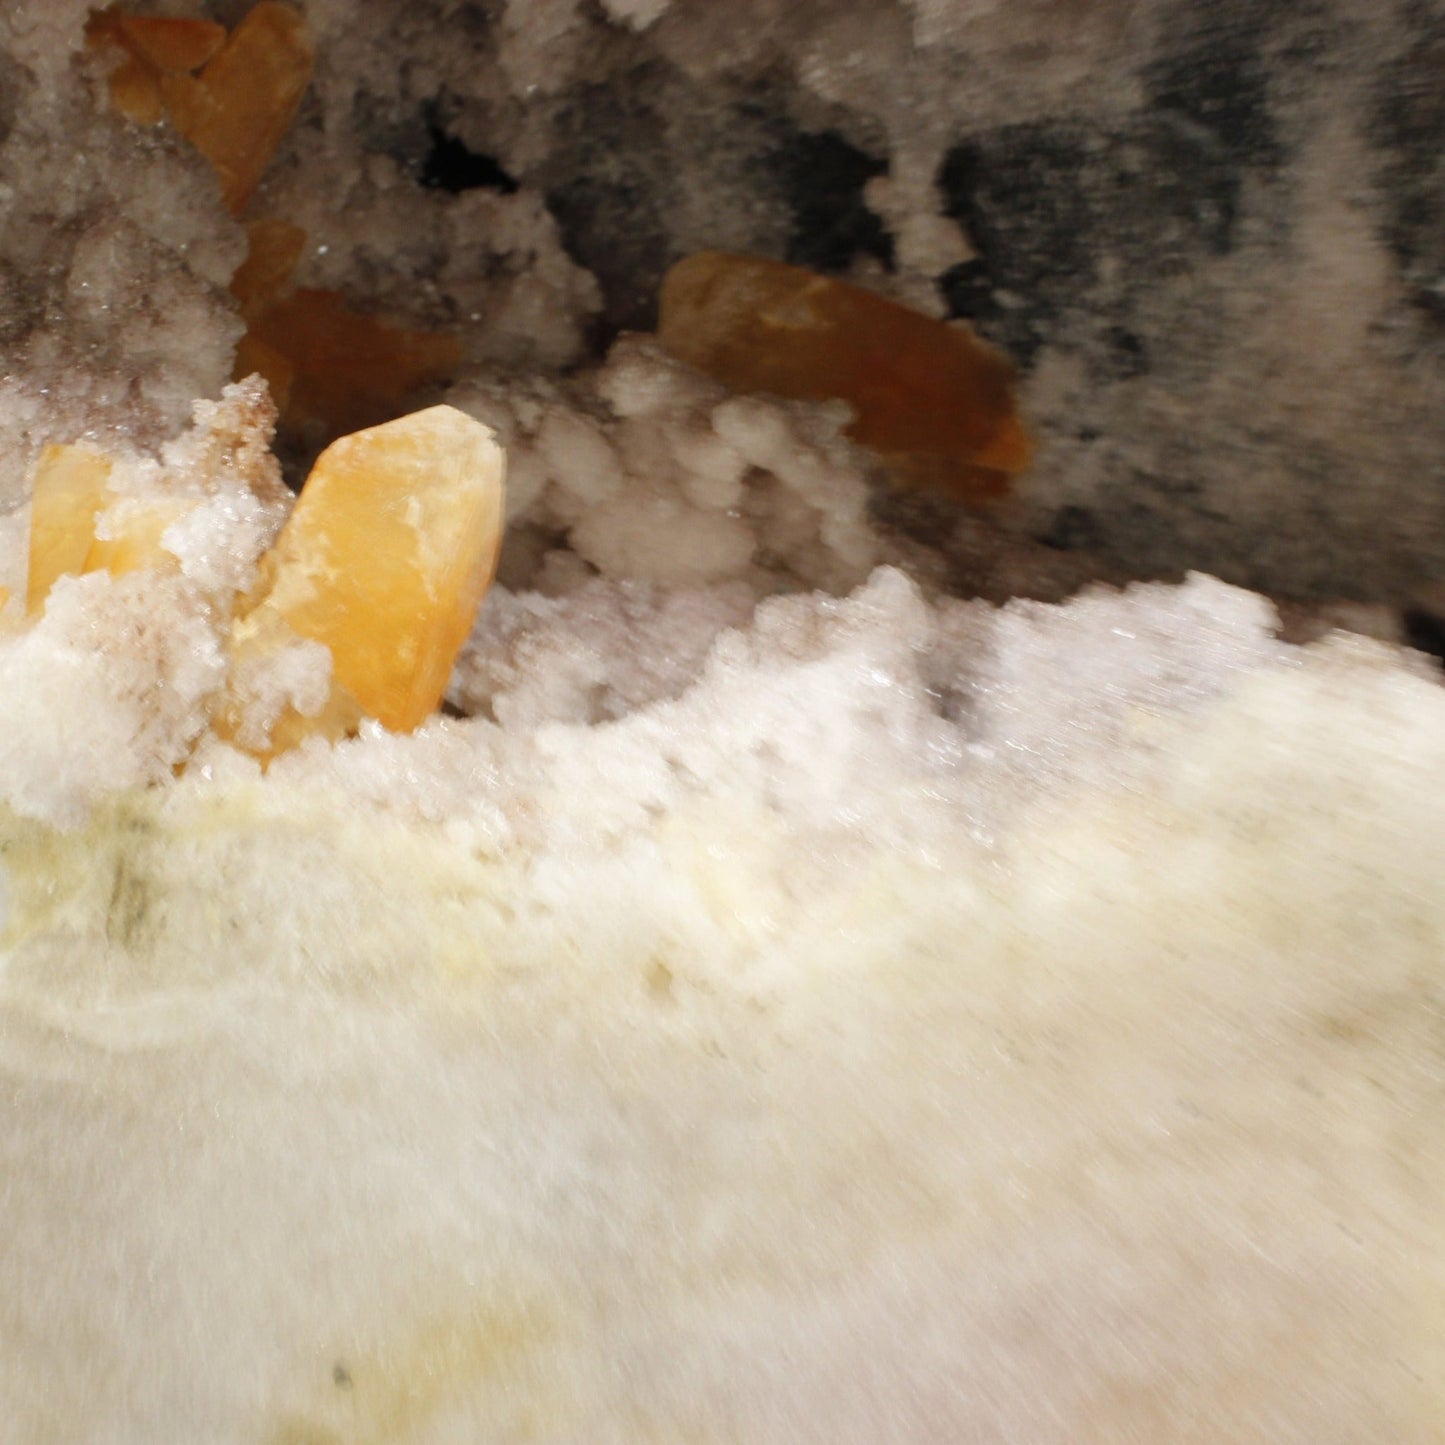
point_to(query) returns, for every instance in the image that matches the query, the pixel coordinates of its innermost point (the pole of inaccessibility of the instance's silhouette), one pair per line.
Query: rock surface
(1205, 230)
(807, 991)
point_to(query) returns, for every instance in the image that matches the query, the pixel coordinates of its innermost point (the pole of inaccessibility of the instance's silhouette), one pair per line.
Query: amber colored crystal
(167, 43)
(69, 489)
(385, 558)
(931, 398)
(161, 42)
(135, 91)
(348, 370)
(327, 366)
(238, 109)
(273, 249)
(154, 44)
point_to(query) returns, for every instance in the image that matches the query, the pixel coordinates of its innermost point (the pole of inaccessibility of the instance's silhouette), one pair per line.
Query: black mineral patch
(1076, 219)
(1127, 352)
(1016, 192)
(611, 182)
(451, 166)
(1217, 82)
(823, 178)
(968, 292)
(1066, 217)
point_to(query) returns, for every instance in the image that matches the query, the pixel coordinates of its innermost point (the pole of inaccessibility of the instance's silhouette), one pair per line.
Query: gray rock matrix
(1212, 232)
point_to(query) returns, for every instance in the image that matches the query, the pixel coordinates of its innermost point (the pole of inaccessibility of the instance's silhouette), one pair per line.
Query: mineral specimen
(238, 109)
(385, 559)
(330, 369)
(768, 1014)
(934, 401)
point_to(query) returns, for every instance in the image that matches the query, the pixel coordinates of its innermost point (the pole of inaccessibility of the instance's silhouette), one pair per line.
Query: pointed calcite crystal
(238, 109)
(385, 559)
(928, 396)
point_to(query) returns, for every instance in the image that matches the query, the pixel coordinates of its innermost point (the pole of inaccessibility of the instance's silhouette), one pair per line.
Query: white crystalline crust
(793, 1058)
(114, 256)
(807, 1018)
(107, 691)
(795, 1004)
(653, 473)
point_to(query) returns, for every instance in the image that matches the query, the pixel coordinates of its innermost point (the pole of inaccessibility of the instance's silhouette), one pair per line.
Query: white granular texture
(107, 691)
(790, 1003)
(771, 1015)
(654, 474)
(786, 1059)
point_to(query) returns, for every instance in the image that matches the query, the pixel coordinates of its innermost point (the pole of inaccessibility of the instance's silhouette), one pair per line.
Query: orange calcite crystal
(348, 370)
(238, 109)
(154, 44)
(273, 249)
(932, 399)
(327, 365)
(69, 492)
(70, 487)
(170, 44)
(135, 91)
(161, 42)
(385, 559)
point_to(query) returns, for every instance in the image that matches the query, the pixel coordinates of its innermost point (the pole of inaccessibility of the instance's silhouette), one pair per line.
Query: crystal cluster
(934, 401)
(237, 107)
(378, 570)
(331, 369)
